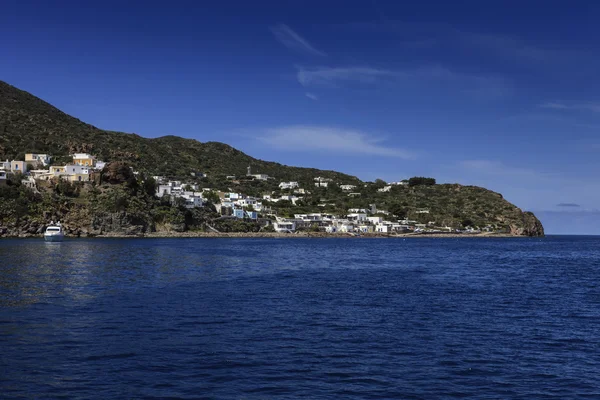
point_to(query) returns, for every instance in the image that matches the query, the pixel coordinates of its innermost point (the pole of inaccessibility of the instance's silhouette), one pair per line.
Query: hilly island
(100, 183)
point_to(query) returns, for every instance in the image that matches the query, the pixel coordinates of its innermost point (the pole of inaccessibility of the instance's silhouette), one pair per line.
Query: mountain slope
(29, 124)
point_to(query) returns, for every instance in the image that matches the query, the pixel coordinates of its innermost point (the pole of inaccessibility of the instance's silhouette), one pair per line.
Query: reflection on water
(34, 270)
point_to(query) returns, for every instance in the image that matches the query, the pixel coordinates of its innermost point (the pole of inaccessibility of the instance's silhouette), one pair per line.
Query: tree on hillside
(421, 181)
(149, 185)
(398, 210)
(212, 197)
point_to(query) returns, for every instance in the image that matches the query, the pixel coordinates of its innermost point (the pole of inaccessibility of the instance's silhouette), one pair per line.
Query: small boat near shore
(54, 233)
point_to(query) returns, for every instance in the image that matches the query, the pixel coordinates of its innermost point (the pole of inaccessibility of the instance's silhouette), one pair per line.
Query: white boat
(54, 233)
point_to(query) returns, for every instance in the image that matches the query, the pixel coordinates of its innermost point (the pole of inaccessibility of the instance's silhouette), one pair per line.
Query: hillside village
(262, 210)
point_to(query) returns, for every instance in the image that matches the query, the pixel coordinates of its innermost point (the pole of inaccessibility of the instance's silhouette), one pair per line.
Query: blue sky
(503, 95)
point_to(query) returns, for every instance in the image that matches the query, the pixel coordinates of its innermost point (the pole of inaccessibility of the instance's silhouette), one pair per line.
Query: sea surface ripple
(300, 318)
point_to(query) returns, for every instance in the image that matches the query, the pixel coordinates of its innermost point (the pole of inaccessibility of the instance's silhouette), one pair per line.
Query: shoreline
(316, 235)
(276, 235)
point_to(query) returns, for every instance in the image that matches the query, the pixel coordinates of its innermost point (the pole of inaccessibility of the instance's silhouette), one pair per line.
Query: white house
(84, 159)
(163, 190)
(385, 189)
(346, 228)
(193, 200)
(43, 159)
(29, 183)
(284, 226)
(382, 228)
(365, 228)
(288, 185)
(347, 187)
(322, 182)
(18, 166)
(260, 177)
(293, 199)
(357, 217)
(233, 196)
(375, 220)
(248, 201)
(77, 169)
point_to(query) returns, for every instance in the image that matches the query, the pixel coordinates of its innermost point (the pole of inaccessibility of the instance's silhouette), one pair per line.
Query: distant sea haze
(300, 318)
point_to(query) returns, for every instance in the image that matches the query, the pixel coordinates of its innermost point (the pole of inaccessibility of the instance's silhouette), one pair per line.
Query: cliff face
(531, 226)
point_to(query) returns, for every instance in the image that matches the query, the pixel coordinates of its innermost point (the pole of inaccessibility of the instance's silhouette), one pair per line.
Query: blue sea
(419, 318)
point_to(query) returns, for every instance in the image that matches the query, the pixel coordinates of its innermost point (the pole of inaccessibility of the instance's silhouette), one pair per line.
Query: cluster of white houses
(356, 221)
(38, 167)
(238, 205)
(235, 205)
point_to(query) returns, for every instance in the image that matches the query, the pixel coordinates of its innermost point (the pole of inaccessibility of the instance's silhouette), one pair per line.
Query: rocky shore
(309, 235)
(171, 234)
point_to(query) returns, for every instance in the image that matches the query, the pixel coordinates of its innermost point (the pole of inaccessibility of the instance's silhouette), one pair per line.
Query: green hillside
(29, 124)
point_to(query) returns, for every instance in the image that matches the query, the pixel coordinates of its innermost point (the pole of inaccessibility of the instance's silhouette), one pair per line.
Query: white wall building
(77, 169)
(382, 228)
(284, 226)
(288, 185)
(375, 220)
(357, 217)
(43, 159)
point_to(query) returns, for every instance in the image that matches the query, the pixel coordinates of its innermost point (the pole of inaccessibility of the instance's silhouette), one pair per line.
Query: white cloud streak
(333, 75)
(312, 96)
(513, 48)
(593, 107)
(292, 40)
(334, 140)
(489, 86)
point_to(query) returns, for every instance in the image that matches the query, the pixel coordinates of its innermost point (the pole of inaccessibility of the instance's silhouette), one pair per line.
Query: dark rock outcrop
(121, 223)
(531, 226)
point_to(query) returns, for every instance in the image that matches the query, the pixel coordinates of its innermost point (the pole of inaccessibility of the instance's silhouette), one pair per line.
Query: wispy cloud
(294, 41)
(491, 86)
(593, 107)
(499, 46)
(568, 205)
(512, 47)
(312, 96)
(333, 75)
(334, 140)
